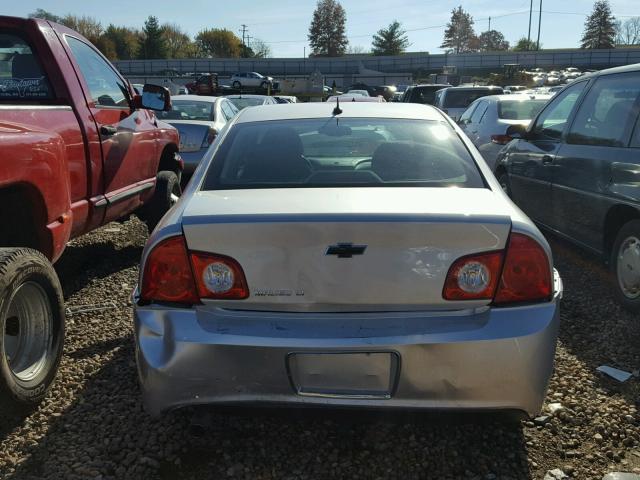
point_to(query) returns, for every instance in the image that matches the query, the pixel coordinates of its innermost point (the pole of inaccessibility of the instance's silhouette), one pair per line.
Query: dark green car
(576, 171)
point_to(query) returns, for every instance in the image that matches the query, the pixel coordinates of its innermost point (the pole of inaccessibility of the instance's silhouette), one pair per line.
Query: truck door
(126, 135)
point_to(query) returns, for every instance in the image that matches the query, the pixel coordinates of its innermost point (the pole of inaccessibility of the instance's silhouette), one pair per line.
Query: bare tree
(628, 32)
(357, 50)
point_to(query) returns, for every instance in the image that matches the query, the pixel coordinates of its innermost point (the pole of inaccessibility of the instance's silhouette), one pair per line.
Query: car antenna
(337, 110)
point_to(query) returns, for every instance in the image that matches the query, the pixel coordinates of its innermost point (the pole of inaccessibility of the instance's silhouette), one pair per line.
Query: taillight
(175, 275)
(218, 276)
(473, 277)
(501, 139)
(526, 275)
(211, 136)
(520, 274)
(167, 275)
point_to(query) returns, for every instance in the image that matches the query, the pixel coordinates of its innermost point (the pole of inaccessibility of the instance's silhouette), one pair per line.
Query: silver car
(244, 101)
(487, 121)
(199, 119)
(357, 255)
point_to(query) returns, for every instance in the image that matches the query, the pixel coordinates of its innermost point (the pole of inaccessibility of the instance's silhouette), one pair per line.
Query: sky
(284, 24)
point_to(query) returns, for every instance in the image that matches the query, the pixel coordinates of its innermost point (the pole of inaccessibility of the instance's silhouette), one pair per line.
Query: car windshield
(520, 110)
(464, 98)
(245, 102)
(342, 152)
(188, 110)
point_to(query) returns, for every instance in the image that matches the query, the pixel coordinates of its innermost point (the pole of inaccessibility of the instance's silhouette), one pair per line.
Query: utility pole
(244, 45)
(539, 24)
(529, 34)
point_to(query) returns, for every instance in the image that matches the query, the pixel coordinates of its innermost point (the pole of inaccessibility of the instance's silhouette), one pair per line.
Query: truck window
(21, 75)
(106, 88)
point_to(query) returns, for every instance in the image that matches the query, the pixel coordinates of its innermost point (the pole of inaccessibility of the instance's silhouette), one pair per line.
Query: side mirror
(517, 132)
(154, 97)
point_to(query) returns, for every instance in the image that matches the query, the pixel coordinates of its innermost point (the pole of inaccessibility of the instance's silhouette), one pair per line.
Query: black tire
(627, 290)
(237, 85)
(31, 327)
(167, 187)
(503, 180)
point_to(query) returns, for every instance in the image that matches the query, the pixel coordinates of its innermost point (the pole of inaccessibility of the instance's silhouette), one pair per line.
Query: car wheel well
(24, 214)
(167, 159)
(616, 218)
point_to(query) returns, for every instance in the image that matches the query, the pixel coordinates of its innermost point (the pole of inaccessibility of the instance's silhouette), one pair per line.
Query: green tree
(218, 42)
(177, 41)
(390, 41)
(153, 44)
(459, 36)
(524, 45)
(42, 13)
(599, 29)
(126, 41)
(492, 41)
(327, 35)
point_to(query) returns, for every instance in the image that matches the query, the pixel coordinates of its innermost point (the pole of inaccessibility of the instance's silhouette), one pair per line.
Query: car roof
(439, 85)
(516, 96)
(635, 67)
(200, 98)
(239, 95)
(474, 87)
(289, 111)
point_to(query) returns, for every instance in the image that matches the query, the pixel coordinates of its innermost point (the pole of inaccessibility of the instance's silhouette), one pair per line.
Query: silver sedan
(357, 255)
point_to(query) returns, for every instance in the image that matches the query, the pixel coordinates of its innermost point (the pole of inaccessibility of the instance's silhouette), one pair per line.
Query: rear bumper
(493, 359)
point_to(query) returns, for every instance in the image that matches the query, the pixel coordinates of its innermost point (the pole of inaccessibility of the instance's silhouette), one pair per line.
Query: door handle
(547, 159)
(108, 130)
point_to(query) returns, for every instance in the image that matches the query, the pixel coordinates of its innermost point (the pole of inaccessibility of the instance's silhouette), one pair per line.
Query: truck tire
(31, 326)
(625, 263)
(165, 196)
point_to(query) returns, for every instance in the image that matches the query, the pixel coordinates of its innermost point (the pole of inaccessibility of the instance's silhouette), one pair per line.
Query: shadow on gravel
(82, 263)
(594, 327)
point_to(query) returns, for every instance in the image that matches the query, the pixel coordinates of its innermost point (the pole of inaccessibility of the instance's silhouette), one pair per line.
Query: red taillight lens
(219, 277)
(167, 274)
(501, 139)
(473, 277)
(526, 276)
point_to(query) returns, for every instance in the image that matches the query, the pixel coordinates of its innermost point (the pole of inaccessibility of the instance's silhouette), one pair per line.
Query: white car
(348, 97)
(363, 93)
(487, 120)
(244, 101)
(355, 256)
(250, 79)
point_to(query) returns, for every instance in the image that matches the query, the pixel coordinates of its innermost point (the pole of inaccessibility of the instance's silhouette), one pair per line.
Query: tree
(88, 27)
(327, 35)
(524, 45)
(459, 36)
(152, 44)
(259, 49)
(126, 41)
(357, 50)
(390, 41)
(178, 42)
(42, 13)
(628, 32)
(599, 29)
(492, 41)
(218, 42)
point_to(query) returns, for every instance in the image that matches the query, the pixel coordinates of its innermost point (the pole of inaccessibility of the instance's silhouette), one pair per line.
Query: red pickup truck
(78, 149)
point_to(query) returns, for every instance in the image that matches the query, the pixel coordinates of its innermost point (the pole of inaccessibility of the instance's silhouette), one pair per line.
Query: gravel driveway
(92, 424)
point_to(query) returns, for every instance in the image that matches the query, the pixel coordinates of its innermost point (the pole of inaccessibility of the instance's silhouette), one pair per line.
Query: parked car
(454, 100)
(425, 94)
(286, 98)
(206, 84)
(319, 257)
(79, 149)
(347, 97)
(575, 171)
(487, 120)
(362, 93)
(244, 101)
(250, 79)
(514, 89)
(199, 119)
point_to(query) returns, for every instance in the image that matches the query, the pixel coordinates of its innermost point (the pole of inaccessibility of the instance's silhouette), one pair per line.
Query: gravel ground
(92, 424)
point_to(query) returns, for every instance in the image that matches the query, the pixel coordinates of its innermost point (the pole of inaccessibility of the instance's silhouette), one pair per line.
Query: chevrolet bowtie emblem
(345, 250)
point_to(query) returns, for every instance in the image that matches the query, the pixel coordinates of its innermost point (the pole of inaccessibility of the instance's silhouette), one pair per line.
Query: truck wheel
(166, 195)
(31, 326)
(237, 85)
(625, 262)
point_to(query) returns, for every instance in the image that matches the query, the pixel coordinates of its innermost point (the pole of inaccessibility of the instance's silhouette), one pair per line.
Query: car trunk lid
(192, 134)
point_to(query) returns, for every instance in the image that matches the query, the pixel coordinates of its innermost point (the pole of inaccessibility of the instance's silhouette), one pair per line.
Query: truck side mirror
(154, 97)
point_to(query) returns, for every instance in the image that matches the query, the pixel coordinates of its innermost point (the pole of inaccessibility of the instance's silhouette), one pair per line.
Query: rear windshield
(426, 95)
(519, 110)
(188, 110)
(464, 98)
(342, 152)
(246, 102)
(21, 75)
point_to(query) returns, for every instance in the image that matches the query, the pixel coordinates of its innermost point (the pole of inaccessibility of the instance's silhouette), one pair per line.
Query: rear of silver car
(344, 297)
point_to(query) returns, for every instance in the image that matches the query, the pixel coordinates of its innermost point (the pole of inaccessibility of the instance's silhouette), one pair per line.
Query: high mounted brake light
(519, 274)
